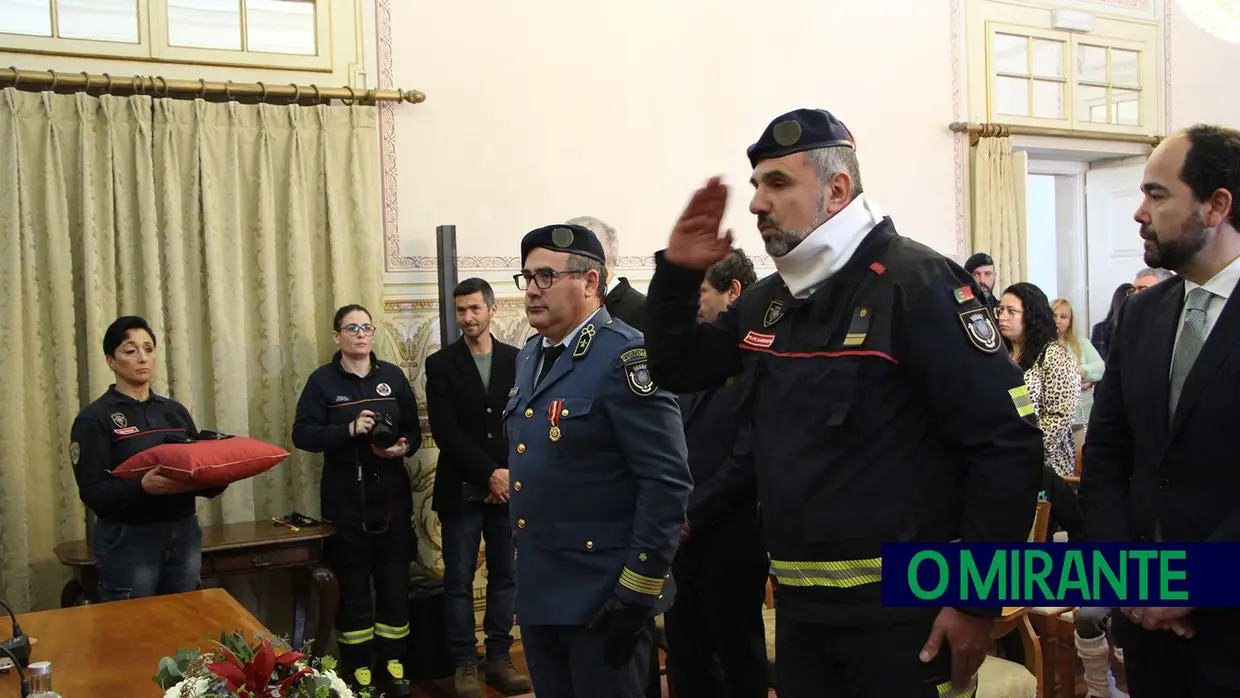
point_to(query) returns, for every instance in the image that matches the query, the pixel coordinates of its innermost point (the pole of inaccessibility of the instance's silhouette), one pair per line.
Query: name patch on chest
(126, 431)
(759, 340)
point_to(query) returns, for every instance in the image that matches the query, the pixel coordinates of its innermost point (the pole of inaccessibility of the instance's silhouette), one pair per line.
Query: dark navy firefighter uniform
(885, 408)
(599, 486)
(370, 502)
(144, 544)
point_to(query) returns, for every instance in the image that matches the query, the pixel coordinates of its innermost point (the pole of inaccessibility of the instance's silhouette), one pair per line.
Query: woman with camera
(360, 413)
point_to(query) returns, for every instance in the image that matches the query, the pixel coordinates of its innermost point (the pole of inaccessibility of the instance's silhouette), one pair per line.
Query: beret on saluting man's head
(798, 131)
(563, 237)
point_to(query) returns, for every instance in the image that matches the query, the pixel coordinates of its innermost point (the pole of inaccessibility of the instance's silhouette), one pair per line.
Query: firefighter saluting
(361, 414)
(884, 409)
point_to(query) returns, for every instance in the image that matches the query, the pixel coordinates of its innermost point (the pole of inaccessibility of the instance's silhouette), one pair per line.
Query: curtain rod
(991, 130)
(158, 86)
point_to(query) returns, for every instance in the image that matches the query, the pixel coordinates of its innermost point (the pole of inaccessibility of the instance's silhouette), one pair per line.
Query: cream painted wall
(1201, 90)
(542, 111)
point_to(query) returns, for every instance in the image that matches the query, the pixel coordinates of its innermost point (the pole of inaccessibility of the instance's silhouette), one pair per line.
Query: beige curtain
(1000, 221)
(236, 230)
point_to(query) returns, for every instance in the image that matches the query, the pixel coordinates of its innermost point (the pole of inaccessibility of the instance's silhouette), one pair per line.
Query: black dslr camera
(383, 434)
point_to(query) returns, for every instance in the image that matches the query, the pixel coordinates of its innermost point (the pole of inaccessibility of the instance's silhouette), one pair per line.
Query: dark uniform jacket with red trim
(358, 487)
(599, 477)
(885, 409)
(110, 431)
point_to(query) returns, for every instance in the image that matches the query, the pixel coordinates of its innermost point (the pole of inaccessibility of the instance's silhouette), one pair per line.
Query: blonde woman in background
(1089, 363)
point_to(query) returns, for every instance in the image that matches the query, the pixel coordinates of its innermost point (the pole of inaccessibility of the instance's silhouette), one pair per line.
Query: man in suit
(1159, 459)
(467, 385)
(621, 300)
(721, 567)
(600, 478)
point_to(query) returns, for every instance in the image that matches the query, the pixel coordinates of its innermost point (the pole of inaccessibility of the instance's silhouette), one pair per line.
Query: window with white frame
(293, 34)
(1024, 71)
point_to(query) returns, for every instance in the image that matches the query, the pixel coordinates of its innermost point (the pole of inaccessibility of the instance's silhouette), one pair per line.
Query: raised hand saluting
(695, 242)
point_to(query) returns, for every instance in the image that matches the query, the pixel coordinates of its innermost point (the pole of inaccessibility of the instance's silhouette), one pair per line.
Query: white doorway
(1055, 233)
(1115, 249)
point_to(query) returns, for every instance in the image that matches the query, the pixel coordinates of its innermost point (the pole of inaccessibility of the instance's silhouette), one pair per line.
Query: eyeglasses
(359, 330)
(543, 278)
(1008, 310)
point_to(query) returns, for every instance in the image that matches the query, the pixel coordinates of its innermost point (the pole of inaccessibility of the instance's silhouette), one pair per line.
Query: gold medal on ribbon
(553, 416)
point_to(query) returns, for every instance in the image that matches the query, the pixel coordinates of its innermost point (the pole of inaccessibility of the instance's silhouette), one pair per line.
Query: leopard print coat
(1054, 384)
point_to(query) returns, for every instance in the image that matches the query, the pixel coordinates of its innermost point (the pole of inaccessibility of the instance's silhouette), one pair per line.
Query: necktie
(549, 355)
(1188, 346)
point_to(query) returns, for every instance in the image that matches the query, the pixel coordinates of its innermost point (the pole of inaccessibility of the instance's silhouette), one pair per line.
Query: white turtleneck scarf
(828, 248)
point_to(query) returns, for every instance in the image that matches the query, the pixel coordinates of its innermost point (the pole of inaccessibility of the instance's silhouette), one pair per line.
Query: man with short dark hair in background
(467, 386)
(621, 299)
(721, 567)
(982, 267)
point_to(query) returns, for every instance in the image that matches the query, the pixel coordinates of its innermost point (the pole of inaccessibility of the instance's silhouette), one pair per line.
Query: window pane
(280, 26)
(33, 17)
(1092, 101)
(1091, 64)
(205, 23)
(1125, 67)
(1010, 54)
(100, 20)
(1126, 107)
(1048, 99)
(1048, 58)
(1012, 96)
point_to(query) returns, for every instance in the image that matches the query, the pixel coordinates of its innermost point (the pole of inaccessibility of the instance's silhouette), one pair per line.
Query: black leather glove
(621, 625)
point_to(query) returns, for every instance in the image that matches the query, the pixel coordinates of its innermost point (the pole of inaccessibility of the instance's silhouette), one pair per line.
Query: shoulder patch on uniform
(633, 354)
(963, 294)
(583, 342)
(75, 453)
(637, 372)
(979, 327)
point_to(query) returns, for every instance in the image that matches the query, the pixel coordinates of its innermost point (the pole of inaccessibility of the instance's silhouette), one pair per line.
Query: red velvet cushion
(205, 463)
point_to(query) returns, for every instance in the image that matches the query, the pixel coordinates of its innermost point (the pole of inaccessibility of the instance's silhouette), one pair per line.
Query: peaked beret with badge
(798, 131)
(563, 237)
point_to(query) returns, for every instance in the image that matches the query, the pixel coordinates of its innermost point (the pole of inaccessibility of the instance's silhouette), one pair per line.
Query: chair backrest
(1041, 522)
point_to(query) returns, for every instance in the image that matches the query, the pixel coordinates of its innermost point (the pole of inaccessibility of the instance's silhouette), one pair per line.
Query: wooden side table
(238, 549)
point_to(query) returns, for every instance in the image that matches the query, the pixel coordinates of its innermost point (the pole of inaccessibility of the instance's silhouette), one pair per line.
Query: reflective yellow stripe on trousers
(946, 690)
(841, 574)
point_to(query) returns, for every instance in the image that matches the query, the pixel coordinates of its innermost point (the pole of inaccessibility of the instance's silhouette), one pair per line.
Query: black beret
(798, 131)
(563, 237)
(980, 259)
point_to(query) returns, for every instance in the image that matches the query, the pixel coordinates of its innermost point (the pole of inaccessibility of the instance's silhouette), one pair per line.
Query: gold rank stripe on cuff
(640, 583)
(1020, 398)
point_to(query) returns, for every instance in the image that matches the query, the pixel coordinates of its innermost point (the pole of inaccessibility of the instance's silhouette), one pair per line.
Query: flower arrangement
(238, 669)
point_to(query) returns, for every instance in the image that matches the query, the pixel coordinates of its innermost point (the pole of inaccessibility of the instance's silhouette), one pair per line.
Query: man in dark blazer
(621, 299)
(721, 567)
(467, 386)
(1159, 460)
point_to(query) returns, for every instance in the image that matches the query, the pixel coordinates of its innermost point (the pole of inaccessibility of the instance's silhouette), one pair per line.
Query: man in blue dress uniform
(600, 478)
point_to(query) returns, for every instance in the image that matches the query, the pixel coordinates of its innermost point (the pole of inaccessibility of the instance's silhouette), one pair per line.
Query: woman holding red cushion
(146, 538)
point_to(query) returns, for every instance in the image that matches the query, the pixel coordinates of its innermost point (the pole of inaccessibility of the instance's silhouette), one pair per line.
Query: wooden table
(113, 649)
(237, 549)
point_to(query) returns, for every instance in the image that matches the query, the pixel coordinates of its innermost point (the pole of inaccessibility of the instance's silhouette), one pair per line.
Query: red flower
(255, 677)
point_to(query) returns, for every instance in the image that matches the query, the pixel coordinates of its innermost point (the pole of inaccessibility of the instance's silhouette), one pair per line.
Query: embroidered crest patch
(637, 375)
(118, 418)
(979, 327)
(383, 389)
(774, 312)
(75, 453)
